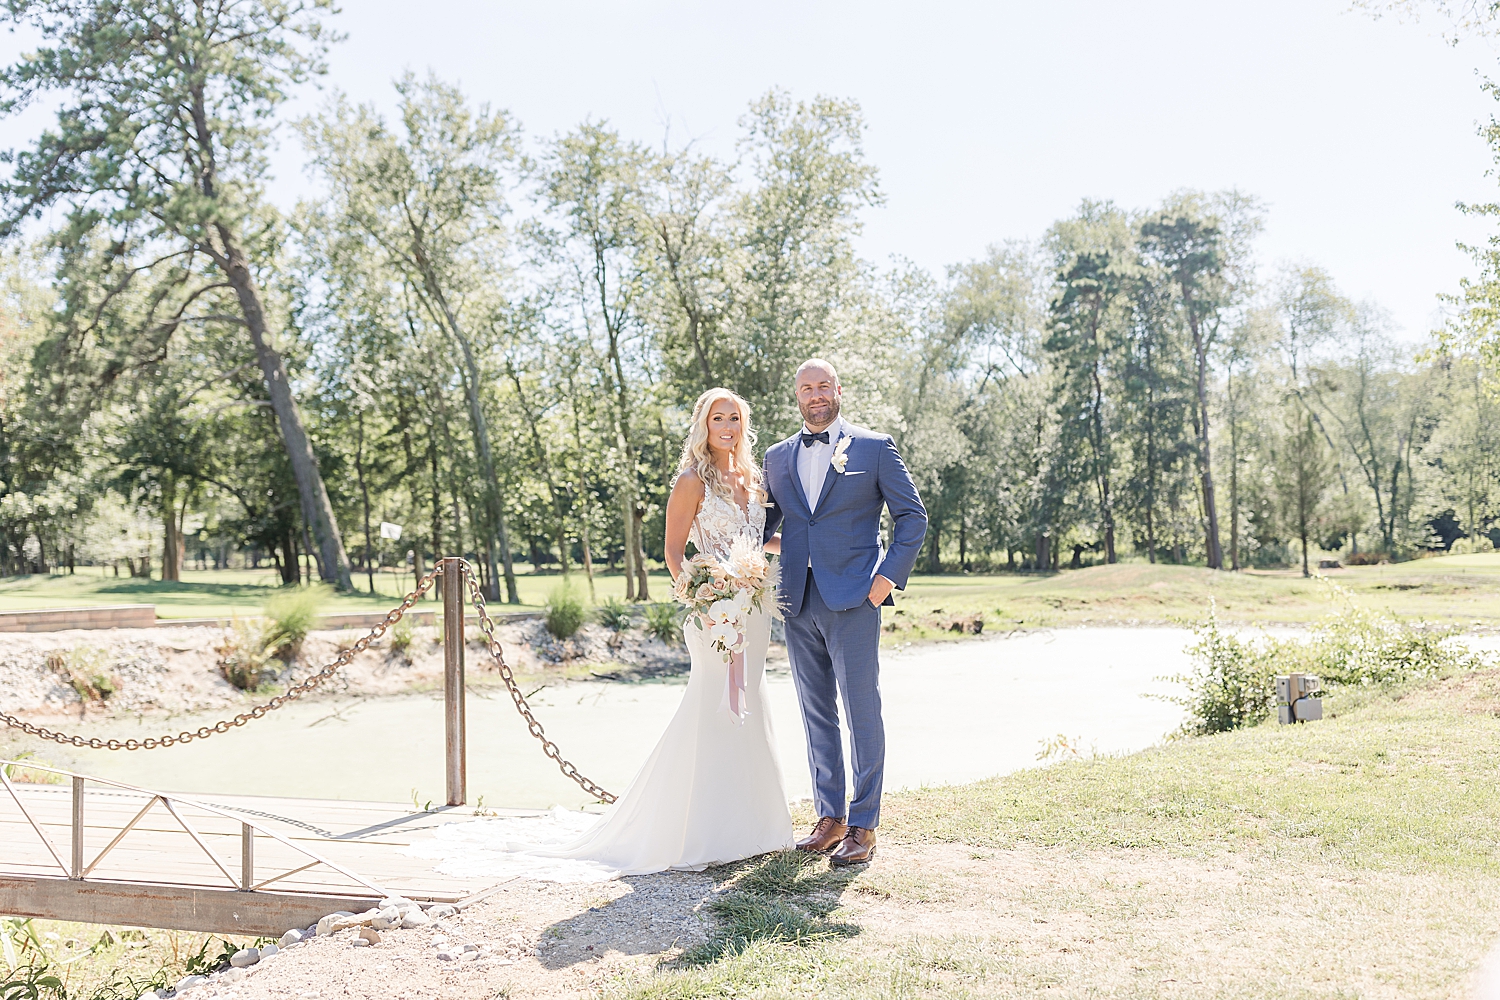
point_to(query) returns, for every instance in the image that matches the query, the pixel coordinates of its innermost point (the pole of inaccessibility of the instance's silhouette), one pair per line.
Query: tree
(592, 181)
(1302, 472)
(1089, 316)
(1201, 245)
(432, 201)
(158, 155)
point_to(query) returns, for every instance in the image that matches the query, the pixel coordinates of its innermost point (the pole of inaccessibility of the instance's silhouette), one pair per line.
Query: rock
(399, 902)
(325, 925)
(189, 982)
(446, 956)
(370, 934)
(414, 917)
(291, 937)
(269, 951)
(471, 947)
(360, 943)
(357, 920)
(442, 910)
(244, 958)
(150, 995)
(232, 975)
(387, 918)
(468, 956)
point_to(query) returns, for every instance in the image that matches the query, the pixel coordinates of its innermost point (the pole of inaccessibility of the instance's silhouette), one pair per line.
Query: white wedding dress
(710, 793)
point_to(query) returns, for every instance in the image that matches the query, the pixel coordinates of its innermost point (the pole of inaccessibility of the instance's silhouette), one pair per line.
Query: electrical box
(1298, 698)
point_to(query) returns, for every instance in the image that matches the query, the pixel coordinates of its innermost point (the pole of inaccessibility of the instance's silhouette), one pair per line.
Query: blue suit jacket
(843, 536)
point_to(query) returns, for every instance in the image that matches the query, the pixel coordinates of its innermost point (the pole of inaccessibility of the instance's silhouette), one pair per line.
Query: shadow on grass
(787, 897)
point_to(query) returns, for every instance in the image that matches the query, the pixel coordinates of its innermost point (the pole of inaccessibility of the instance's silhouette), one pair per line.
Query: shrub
(292, 614)
(244, 655)
(403, 634)
(664, 621)
(1366, 559)
(563, 613)
(1233, 684)
(1357, 646)
(86, 671)
(614, 614)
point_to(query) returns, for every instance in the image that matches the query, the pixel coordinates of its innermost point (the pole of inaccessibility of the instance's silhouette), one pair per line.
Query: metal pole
(247, 856)
(453, 677)
(77, 872)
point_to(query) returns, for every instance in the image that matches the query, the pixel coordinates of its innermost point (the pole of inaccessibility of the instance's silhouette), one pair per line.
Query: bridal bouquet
(719, 595)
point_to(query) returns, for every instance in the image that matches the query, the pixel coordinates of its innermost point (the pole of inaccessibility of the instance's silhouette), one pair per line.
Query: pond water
(954, 713)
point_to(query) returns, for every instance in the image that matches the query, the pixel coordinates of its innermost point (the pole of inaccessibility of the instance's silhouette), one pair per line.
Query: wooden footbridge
(73, 847)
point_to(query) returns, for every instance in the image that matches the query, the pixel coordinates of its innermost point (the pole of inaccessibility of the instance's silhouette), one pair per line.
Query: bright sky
(988, 120)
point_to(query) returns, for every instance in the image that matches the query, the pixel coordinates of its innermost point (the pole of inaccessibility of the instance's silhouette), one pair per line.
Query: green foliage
(86, 671)
(664, 622)
(1356, 646)
(614, 614)
(244, 659)
(403, 634)
(563, 613)
(1233, 684)
(31, 982)
(292, 614)
(32, 776)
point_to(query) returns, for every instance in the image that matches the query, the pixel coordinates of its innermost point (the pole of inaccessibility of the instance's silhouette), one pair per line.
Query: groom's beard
(815, 415)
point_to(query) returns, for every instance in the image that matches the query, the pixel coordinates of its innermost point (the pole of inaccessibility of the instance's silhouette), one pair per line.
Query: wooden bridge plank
(187, 908)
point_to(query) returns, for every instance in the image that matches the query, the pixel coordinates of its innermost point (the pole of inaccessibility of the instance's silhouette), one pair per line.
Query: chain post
(453, 678)
(77, 866)
(247, 857)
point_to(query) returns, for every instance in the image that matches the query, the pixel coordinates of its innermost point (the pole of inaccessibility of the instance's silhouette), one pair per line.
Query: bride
(711, 791)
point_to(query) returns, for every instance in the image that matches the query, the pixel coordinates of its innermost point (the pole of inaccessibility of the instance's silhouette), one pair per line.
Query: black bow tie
(808, 439)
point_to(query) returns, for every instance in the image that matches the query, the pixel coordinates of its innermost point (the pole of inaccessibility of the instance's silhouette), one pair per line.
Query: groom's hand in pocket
(880, 589)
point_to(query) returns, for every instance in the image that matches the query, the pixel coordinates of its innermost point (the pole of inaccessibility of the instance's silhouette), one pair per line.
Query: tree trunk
(546, 464)
(317, 510)
(1043, 550)
(171, 543)
(495, 529)
(627, 518)
(291, 573)
(1234, 476)
(364, 496)
(1205, 463)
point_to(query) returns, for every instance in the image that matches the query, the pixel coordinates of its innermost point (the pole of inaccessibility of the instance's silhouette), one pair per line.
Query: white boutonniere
(840, 456)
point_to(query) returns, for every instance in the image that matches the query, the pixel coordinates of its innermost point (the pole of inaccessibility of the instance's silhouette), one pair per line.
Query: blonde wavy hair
(698, 456)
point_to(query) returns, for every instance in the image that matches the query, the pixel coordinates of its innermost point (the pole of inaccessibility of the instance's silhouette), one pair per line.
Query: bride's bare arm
(773, 544)
(682, 507)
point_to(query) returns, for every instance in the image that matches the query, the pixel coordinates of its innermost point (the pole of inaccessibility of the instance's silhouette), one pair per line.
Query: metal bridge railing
(77, 867)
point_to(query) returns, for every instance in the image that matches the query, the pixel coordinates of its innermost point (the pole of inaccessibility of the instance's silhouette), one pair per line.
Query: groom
(827, 486)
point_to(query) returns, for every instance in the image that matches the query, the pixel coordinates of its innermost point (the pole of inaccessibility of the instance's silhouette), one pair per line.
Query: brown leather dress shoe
(825, 836)
(857, 847)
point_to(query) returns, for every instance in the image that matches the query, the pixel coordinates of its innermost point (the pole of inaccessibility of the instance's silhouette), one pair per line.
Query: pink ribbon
(734, 687)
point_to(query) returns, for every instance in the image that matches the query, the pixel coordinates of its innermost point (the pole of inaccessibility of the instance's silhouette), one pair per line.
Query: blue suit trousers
(836, 655)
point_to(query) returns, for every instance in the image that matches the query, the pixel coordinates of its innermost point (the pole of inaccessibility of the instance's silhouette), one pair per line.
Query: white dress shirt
(813, 461)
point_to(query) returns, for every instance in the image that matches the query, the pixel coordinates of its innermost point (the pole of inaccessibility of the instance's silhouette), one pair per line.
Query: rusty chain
(298, 690)
(259, 711)
(548, 747)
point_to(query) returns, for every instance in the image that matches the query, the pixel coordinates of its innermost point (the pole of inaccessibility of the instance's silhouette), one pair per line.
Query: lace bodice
(720, 522)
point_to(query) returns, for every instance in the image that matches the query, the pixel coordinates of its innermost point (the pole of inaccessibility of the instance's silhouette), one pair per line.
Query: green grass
(1370, 841)
(1410, 782)
(222, 593)
(1459, 589)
